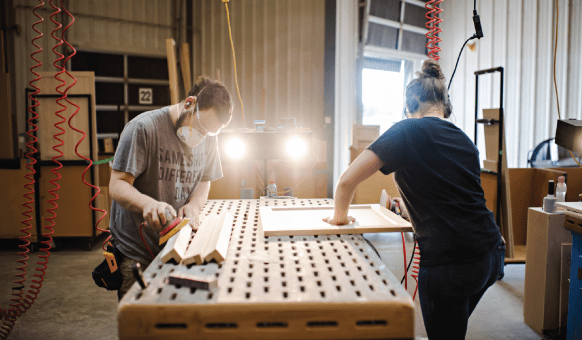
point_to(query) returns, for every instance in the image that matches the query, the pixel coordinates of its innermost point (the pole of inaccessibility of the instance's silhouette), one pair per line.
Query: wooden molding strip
(177, 245)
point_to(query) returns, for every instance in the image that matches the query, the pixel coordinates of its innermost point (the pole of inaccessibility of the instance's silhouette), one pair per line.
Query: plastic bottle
(561, 189)
(272, 189)
(550, 200)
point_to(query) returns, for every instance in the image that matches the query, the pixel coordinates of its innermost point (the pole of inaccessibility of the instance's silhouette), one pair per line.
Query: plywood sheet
(491, 149)
(570, 206)
(291, 221)
(12, 182)
(520, 181)
(172, 70)
(85, 86)
(489, 185)
(6, 132)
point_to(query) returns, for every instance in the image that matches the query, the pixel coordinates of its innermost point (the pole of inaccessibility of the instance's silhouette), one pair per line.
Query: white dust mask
(189, 136)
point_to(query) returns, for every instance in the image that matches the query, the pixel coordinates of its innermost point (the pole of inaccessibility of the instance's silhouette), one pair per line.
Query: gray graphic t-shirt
(164, 168)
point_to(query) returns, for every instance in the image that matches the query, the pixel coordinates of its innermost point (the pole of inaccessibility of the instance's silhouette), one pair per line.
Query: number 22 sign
(145, 95)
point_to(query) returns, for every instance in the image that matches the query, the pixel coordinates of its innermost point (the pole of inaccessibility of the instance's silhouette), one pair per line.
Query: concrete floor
(71, 306)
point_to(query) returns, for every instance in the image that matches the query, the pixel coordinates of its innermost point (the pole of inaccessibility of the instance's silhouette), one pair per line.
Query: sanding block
(172, 229)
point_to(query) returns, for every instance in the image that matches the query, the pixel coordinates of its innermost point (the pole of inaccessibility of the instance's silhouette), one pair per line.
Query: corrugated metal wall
(279, 47)
(129, 26)
(518, 35)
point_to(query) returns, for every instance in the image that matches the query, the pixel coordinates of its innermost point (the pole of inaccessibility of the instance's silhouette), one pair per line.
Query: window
(396, 25)
(393, 45)
(382, 92)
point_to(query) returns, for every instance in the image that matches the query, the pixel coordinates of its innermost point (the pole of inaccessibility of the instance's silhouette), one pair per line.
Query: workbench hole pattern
(320, 268)
(291, 269)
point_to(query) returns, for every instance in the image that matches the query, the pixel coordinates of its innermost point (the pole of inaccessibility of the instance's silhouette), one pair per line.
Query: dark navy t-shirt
(436, 167)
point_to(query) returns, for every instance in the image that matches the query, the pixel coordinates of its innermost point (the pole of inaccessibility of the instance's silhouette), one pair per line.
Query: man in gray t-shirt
(165, 159)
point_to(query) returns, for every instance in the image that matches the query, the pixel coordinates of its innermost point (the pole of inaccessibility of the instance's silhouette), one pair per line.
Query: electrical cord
(405, 278)
(234, 61)
(409, 262)
(478, 35)
(459, 58)
(371, 245)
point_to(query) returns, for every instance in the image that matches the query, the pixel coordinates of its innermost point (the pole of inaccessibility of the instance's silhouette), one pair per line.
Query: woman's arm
(363, 167)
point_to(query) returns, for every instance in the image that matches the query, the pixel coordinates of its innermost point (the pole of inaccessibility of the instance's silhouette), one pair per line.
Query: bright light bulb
(235, 148)
(296, 147)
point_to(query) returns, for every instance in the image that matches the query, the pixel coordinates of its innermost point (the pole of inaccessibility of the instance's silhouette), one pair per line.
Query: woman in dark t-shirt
(436, 167)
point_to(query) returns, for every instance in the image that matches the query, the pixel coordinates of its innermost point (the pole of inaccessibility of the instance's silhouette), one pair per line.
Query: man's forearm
(200, 196)
(128, 196)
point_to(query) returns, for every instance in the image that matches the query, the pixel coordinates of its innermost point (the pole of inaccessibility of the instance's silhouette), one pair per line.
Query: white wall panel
(519, 35)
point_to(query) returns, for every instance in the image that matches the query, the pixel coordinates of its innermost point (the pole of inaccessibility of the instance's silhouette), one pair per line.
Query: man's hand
(188, 211)
(155, 216)
(337, 221)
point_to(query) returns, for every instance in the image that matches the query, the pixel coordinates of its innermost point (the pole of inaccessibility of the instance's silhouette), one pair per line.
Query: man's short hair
(212, 94)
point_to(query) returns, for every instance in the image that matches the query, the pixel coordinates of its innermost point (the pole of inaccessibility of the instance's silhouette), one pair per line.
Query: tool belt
(108, 274)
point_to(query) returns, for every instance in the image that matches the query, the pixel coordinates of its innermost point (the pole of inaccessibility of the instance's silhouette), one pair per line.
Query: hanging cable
(409, 263)
(17, 305)
(478, 35)
(234, 61)
(457, 64)
(405, 278)
(95, 188)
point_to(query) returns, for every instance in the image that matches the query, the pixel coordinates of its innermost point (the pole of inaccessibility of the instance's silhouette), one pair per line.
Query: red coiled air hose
(18, 306)
(433, 20)
(47, 236)
(97, 190)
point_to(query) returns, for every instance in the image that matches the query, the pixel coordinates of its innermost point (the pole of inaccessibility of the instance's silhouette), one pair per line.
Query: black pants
(126, 268)
(449, 293)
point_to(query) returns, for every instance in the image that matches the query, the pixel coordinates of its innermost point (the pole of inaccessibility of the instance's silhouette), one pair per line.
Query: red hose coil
(415, 268)
(47, 236)
(18, 305)
(95, 188)
(433, 20)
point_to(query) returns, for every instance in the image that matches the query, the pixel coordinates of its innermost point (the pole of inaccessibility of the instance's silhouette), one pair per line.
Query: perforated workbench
(293, 287)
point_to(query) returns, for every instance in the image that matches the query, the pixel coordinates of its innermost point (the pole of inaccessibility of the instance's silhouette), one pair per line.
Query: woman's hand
(335, 221)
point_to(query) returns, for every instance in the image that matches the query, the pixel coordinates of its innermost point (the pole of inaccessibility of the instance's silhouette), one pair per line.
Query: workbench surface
(284, 287)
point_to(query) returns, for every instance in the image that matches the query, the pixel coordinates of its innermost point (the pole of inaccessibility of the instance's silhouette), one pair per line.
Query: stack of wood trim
(210, 241)
(177, 244)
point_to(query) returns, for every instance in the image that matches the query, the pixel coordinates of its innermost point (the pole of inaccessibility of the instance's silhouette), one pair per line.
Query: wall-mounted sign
(146, 96)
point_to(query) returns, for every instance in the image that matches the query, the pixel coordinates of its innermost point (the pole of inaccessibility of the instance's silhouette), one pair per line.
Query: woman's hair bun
(432, 69)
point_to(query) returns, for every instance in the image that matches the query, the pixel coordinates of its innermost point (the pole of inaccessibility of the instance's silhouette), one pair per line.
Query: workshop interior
(312, 86)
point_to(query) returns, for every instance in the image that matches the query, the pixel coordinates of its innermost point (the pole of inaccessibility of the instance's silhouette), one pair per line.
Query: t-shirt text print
(181, 169)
